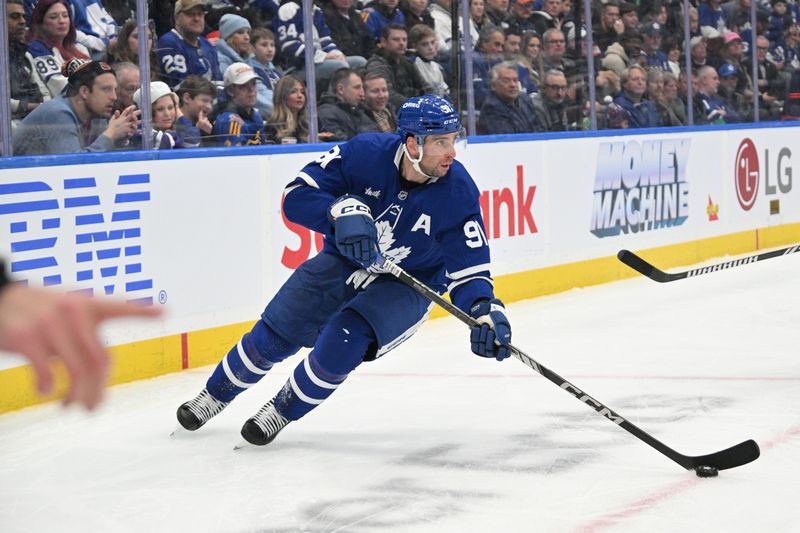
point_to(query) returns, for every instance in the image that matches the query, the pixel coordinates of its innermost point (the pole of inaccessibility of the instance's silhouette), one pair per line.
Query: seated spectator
(423, 41)
(233, 45)
(629, 16)
(621, 55)
(347, 29)
(671, 47)
(340, 112)
(498, 15)
(442, 25)
(126, 49)
(733, 53)
(381, 13)
(521, 16)
(651, 47)
(51, 44)
(391, 62)
(416, 12)
(289, 121)
(677, 107)
(771, 87)
(549, 18)
(512, 45)
(655, 93)
(81, 120)
(489, 52)
(24, 92)
(709, 107)
(505, 110)
(530, 62)
(477, 20)
(712, 18)
(728, 79)
(610, 26)
(128, 82)
(554, 53)
(184, 50)
(238, 122)
(196, 98)
(642, 112)
(288, 26)
(263, 42)
(164, 109)
(549, 104)
(376, 103)
(95, 28)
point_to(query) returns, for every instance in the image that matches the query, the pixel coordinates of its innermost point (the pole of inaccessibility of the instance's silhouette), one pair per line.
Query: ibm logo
(72, 237)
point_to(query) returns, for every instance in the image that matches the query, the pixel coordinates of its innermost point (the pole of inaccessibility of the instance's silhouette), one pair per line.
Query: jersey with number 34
(434, 231)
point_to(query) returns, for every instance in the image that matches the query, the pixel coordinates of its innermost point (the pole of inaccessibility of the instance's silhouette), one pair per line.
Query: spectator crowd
(232, 72)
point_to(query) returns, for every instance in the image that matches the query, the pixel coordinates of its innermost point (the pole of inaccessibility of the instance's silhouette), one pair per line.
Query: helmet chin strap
(415, 162)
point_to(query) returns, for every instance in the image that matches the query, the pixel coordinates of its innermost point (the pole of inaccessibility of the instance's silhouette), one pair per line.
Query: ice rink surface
(434, 439)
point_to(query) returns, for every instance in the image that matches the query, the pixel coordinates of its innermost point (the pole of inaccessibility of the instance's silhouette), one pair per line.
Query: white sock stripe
(300, 394)
(315, 379)
(247, 362)
(236, 381)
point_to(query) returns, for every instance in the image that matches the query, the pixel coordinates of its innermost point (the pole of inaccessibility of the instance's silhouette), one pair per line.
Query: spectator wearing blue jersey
(709, 107)
(196, 96)
(505, 110)
(239, 123)
(727, 92)
(96, 28)
(289, 28)
(183, 50)
(381, 13)
(642, 112)
(51, 44)
(82, 119)
(651, 47)
(401, 196)
(263, 42)
(712, 18)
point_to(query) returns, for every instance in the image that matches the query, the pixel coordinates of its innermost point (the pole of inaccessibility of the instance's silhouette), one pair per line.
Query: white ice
(434, 439)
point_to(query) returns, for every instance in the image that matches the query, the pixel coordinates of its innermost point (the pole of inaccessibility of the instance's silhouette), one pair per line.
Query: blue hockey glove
(493, 325)
(354, 230)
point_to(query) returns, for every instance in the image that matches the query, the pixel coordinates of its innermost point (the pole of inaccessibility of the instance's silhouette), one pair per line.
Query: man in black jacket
(340, 111)
(390, 62)
(25, 94)
(505, 110)
(348, 30)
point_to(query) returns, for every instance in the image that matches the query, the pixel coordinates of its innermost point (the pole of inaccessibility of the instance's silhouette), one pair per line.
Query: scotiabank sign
(507, 213)
(749, 173)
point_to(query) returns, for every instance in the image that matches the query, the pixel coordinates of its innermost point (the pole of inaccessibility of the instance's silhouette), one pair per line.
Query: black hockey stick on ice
(645, 268)
(738, 455)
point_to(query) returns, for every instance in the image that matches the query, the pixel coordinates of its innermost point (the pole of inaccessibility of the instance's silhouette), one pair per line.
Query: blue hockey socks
(340, 348)
(247, 362)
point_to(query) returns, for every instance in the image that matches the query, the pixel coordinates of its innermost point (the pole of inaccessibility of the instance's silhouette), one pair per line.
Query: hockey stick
(741, 454)
(645, 268)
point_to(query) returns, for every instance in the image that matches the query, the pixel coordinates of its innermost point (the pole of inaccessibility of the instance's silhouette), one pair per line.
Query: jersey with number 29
(433, 230)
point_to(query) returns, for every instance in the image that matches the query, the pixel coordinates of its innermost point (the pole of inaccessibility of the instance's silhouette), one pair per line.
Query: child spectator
(422, 39)
(52, 44)
(164, 108)
(196, 96)
(263, 42)
(239, 122)
(289, 121)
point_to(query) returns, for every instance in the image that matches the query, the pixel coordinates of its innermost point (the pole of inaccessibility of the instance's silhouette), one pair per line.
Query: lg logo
(748, 173)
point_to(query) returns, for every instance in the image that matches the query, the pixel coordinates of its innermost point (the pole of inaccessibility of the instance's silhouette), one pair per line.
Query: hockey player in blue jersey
(403, 197)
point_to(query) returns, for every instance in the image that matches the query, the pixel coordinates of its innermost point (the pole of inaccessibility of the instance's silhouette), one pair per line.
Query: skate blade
(242, 445)
(179, 430)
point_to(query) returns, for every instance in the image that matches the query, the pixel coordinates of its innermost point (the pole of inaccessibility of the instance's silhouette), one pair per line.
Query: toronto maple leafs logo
(384, 224)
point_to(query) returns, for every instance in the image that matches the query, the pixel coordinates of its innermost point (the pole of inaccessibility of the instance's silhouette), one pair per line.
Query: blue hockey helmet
(427, 115)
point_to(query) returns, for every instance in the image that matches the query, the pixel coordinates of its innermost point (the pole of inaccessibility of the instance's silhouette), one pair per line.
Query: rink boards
(201, 231)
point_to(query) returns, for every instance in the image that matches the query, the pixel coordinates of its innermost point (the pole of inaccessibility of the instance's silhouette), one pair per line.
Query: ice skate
(195, 413)
(262, 428)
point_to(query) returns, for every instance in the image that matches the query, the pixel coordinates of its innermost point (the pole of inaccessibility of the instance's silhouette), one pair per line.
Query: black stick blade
(741, 454)
(643, 267)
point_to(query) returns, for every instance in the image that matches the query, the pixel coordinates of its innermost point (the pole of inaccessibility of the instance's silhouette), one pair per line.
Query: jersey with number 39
(433, 230)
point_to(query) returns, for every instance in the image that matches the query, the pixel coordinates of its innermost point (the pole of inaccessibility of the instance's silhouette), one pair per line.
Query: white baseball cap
(239, 74)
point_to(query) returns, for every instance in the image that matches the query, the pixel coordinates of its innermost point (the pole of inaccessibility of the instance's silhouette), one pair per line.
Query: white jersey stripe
(466, 280)
(468, 271)
(315, 379)
(300, 394)
(247, 362)
(236, 381)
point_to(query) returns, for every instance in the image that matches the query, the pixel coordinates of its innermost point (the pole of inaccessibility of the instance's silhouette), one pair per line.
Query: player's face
(100, 99)
(438, 154)
(164, 113)
(56, 22)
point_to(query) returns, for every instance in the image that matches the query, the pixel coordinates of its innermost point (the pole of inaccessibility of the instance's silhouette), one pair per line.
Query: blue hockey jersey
(289, 29)
(434, 231)
(179, 59)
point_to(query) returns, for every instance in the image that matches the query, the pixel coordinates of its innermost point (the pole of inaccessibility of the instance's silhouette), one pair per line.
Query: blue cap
(727, 70)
